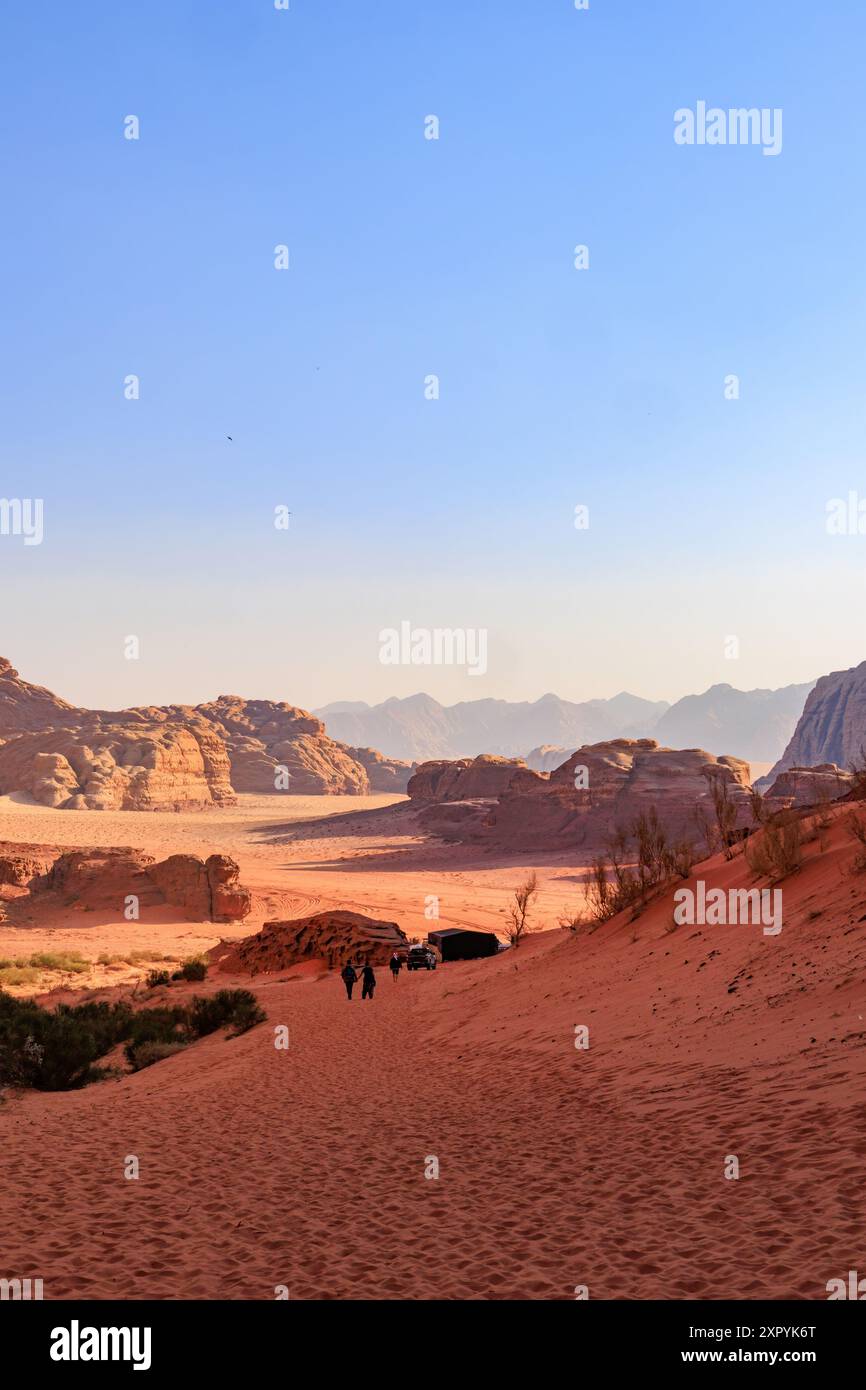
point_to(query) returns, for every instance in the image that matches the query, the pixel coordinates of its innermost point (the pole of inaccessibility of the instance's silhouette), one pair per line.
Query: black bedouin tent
(459, 943)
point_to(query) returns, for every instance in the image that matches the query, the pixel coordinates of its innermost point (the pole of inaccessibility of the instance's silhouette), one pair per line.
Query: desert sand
(558, 1167)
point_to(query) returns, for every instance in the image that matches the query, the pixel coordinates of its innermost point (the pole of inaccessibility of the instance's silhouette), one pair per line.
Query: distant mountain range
(751, 724)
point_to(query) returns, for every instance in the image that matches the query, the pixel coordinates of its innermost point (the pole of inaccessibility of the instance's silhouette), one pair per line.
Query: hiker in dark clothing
(349, 978)
(369, 979)
(396, 965)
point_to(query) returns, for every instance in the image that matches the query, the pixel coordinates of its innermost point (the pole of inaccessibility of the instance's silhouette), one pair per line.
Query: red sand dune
(558, 1167)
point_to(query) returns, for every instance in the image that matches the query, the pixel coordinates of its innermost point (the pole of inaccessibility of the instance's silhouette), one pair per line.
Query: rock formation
(175, 757)
(334, 937)
(104, 878)
(808, 786)
(832, 727)
(601, 788)
(384, 774)
(463, 778)
(547, 757)
(19, 863)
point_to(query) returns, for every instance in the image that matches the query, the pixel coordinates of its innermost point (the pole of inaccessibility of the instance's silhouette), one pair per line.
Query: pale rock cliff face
(808, 786)
(463, 778)
(174, 757)
(601, 788)
(832, 727)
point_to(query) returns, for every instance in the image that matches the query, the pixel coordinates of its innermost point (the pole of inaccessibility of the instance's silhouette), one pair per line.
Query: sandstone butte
(173, 757)
(508, 806)
(204, 890)
(332, 938)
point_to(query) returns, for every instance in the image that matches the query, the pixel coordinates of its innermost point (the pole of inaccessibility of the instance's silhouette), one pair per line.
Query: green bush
(146, 1053)
(194, 969)
(163, 1025)
(156, 978)
(58, 1051)
(15, 975)
(227, 1006)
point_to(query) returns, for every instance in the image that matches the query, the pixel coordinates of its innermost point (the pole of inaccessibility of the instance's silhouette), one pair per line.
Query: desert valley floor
(558, 1167)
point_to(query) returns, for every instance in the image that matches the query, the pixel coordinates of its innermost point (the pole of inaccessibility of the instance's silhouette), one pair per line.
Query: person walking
(395, 965)
(369, 979)
(350, 978)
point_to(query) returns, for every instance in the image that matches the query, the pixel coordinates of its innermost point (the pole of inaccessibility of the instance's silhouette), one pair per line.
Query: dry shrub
(638, 862)
(518, 912)
(856, 827)
(725, 813)
(777, 850)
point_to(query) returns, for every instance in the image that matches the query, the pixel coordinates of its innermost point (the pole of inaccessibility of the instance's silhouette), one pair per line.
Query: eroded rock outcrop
(464, 778)
(21, 863)
(599, 789)
(105, 878)
(547, 757)
(334, 937)
(206, 891)
(384, 774)
(173, 757)
(808, 786)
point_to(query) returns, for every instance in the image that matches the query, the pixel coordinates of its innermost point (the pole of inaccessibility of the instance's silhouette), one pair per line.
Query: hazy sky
(409, 257)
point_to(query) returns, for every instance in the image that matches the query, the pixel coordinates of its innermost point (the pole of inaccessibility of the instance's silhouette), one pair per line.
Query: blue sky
(411, 257)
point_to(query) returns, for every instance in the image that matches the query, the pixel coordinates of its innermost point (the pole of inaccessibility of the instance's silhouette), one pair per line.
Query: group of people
(350, 974)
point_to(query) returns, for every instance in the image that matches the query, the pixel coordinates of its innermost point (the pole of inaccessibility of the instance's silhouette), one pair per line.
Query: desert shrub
(60, 960)
(193, 969)
(707, 830)
(56, 1051)
(228, 1006)
(518, 911)
(156, 978)
(725, 813)
(576, 922)
(778, 849)
(629, 876)
(856, 828)
(858, 771)
(163, 1025)
(146, 1053)
(18, 975)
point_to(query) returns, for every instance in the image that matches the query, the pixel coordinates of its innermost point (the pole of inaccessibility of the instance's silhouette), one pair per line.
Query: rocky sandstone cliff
(205, 890)
(832, 727)
(463, 778)
(174, 757)
(600, 788)
(808, 786)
